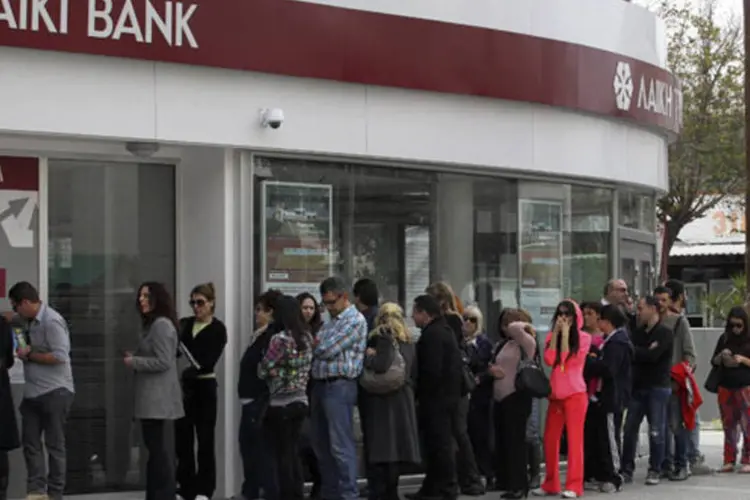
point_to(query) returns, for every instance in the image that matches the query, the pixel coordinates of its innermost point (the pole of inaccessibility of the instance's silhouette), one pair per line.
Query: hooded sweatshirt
(613, 367)
(567, 377)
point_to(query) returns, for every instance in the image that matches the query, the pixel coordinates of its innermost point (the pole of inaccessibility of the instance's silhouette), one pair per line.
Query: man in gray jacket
(673, 301)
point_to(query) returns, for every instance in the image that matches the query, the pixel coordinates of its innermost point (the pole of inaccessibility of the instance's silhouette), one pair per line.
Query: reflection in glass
(588, 263)
(111, 226)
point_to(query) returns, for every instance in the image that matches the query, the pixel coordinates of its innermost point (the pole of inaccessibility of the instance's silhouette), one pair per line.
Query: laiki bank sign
(170, 23)
(646, 93)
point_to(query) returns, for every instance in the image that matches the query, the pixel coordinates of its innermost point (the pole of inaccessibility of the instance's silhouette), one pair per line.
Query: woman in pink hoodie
(566, 348)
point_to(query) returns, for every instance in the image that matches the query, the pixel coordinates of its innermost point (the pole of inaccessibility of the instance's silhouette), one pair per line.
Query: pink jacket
(567, 377)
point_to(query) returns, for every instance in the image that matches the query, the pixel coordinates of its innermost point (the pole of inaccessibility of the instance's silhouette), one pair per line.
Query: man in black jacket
(652, 388)
(611, 370)
(438, 393)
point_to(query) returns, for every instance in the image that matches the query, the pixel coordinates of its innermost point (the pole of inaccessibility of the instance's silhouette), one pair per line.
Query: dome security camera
(272, 117)
(142, 149)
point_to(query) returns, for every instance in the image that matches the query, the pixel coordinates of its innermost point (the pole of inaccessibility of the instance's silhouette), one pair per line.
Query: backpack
(391, 380)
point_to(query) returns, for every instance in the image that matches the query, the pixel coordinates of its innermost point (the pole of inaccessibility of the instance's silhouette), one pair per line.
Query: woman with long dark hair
(312, 316)
(204, 337)
(732, 355)
(310, 312)
(286, 367)
(565, 351)
(158, 397)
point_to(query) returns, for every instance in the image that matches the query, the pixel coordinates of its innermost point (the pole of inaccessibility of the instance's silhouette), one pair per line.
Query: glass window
(630, 213)
(565, 245)
(637, 211)
(352, 221)
(588, 265)
(111, 226)
(648, 213)
(402, 228)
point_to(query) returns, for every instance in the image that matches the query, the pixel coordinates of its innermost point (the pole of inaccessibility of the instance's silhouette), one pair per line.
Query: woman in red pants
(566, 348)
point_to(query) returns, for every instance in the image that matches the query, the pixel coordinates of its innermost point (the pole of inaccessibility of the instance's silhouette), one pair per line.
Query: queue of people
(448, 398)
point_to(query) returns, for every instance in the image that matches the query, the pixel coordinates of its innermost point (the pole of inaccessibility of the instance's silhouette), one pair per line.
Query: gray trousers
(43, 421)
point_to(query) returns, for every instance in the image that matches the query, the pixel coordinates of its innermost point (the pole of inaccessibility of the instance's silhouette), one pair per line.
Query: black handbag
(530, 377)
(713, 380)
(714, 376)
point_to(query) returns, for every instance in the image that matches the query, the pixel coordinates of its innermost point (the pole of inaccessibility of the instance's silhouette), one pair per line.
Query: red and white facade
(562, 91)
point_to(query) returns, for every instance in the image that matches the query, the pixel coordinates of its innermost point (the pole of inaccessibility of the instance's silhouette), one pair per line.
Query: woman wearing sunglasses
(479, 352)
(566, 349)
(732, 355)
(203, 339)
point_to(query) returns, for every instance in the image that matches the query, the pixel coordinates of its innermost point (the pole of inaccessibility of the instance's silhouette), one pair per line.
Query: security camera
(273, 117)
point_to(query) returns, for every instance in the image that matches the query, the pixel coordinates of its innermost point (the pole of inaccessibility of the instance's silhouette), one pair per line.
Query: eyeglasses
(330, 302)
(736, 325)
(197, 303)
(470, 319)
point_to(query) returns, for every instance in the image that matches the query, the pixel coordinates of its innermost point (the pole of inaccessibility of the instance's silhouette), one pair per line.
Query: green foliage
(719, 304)
(706, 163)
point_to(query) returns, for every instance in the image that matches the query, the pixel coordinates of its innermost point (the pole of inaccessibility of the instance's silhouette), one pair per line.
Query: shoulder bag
(530, 377)
(391, 380)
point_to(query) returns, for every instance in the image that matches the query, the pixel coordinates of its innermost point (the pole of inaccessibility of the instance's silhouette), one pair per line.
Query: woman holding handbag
(731, 371)
(511, 411)
(390, 423)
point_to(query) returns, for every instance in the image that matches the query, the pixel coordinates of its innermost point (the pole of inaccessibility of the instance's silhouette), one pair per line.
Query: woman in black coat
(8, 428)
(390, 420)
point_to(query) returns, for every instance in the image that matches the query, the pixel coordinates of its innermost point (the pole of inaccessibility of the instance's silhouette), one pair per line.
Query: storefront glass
(637, 210)
(565, 245)
(402, 228)
(111, 226)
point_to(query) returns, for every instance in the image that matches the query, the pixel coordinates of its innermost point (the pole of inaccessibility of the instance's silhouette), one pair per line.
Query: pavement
(715, 487)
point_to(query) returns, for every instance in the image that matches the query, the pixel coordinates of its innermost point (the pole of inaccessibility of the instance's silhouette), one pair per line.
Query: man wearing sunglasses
(337, 363)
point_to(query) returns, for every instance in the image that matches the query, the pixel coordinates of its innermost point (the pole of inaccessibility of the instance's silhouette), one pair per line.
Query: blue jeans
(256, 452)
(694, 441)
(332, 425)
(676, 448)
(652, 404)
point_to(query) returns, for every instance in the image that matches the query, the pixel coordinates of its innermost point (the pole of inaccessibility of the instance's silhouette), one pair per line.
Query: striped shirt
(341, 346)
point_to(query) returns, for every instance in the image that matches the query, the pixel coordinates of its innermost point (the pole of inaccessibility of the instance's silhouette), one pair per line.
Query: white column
(207, 250)
(455, 233)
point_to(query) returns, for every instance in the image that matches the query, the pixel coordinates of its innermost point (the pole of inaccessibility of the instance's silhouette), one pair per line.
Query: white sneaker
(539, 492)
(569, 494)
(202, 497)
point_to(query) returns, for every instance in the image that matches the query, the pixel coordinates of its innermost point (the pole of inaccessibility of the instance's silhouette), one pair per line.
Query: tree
(706, 163)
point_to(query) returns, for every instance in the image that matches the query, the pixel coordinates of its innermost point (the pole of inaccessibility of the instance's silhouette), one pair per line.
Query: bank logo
(623, 86)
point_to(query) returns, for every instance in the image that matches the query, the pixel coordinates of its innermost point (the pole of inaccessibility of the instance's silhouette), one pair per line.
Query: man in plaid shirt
(337, 363)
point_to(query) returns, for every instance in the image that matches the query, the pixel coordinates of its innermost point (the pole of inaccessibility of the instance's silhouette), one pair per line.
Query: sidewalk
(724, 487)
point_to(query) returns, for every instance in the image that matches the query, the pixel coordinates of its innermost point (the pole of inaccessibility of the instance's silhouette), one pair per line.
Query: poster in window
(540, 255)
(297, 236)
